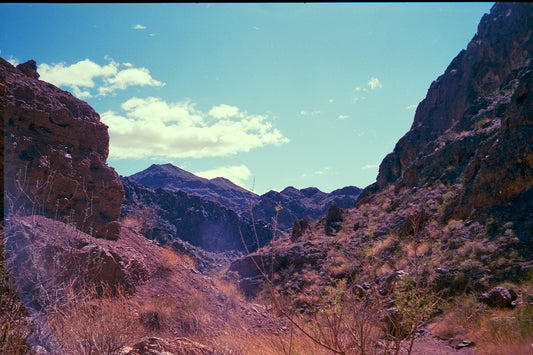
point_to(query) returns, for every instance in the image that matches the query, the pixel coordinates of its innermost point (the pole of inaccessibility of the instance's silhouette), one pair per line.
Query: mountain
(173, 216)
(170, 177)
(454, 197)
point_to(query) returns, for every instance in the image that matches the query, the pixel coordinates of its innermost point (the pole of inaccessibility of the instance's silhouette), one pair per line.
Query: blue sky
(268, 95)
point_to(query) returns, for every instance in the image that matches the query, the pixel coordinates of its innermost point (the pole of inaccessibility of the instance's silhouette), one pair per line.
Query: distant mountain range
(215, 213)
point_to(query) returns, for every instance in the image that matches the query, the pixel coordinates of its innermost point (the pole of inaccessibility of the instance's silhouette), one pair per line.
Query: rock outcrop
(45, 256)
(55, 154)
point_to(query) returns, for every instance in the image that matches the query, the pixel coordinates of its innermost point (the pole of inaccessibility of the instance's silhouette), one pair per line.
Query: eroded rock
(55, 154)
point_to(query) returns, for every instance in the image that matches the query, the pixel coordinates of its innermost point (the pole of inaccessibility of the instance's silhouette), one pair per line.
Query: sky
(266, 95)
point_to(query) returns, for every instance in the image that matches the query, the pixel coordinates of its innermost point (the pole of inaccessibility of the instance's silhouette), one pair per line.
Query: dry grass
(93, 322)
(14, 327)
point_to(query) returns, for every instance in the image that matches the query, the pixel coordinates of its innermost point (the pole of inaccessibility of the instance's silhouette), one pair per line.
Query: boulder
(45, 255)
(299, 228)
(499, 297)
(333, 220)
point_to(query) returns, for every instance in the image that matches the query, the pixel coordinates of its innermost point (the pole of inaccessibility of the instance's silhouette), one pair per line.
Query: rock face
(170, 217)
(333, 220)
(475, 125)
(55, 154)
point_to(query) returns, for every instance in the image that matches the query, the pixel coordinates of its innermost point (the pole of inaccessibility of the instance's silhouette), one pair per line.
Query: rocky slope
(456, 191)
(55, 154)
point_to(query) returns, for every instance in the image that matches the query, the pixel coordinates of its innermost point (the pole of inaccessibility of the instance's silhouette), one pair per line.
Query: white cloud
(374, 83)
(331, 101)
(223, 111)
(14, 61)
(317, 172)
(152, 127)
(128, 77)
(411, 107)
(343, 117)
(370, 166)
(309, 113)
(85, 74)
(238, 174)
(138, 27)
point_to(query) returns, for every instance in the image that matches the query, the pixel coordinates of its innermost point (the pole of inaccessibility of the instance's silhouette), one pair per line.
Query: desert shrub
(156, 314)
(192, 316)
(493, 227)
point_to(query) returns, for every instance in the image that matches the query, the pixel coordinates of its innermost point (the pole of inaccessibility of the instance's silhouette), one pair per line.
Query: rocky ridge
(219, 190)
(291, 204)
(55, 151)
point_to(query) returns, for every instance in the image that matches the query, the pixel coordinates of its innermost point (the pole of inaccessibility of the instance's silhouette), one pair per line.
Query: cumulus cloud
(238, 174)
(152, 127)
(374, 83)
(411, 107)
(343, 117)
(138, 27)
(86, 78)
(370, 166)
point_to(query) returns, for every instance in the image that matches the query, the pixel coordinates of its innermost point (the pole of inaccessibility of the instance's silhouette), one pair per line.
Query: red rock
(55, 154)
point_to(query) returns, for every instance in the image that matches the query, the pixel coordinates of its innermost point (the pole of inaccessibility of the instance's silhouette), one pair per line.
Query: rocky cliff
(55, 154)
(475, 125)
